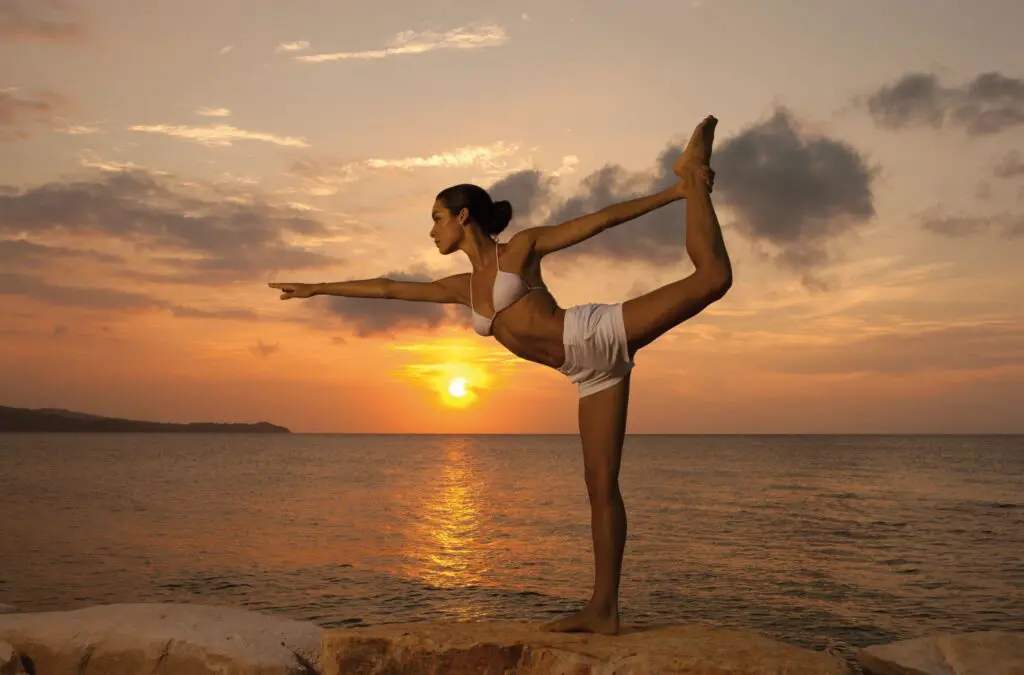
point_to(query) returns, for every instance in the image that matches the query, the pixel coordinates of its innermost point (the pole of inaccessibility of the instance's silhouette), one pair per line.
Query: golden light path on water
(448, 550)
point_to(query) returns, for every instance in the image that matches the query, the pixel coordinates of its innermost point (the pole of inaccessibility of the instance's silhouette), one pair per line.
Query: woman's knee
(602, 486)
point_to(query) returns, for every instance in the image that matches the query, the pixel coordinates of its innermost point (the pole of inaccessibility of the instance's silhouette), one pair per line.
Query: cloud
(214, 112)
(100, 298)
(1011, 165)
(369, 316)
(988, 104)
(19, 114)
(289, 47)
(796, 191)
(265, 350)
(40, 21)
(225, 49)
(78, 130)
(529, 192)
(475, 36)
(219, 135)
(979, 345)
(323, 178)
(1003, 224)
(75, 296)
(227, 314)
(24, 252)
(198, 237)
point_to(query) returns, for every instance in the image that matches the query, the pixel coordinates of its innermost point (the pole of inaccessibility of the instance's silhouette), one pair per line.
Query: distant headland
(50, 420)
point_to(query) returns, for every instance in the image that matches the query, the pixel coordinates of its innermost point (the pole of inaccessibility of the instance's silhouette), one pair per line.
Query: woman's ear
(463, 216)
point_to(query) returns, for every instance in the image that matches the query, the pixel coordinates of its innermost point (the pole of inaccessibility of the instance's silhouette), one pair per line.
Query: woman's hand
(290, 291)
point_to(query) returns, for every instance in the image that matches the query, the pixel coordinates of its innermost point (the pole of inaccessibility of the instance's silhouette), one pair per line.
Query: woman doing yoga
(592, 344)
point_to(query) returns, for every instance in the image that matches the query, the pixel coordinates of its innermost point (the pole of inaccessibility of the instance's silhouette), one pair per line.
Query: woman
(593, 344)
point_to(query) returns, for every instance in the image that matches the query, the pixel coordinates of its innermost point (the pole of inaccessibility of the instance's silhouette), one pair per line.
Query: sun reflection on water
(447, 547)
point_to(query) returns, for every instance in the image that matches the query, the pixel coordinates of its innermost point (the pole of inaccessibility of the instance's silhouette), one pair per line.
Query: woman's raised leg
(649, 316)
(602, 431)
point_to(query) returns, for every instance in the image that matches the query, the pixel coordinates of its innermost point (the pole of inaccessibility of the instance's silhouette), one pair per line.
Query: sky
(164, 160)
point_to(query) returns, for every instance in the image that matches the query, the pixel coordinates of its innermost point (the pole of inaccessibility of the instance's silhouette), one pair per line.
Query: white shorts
(596, 353)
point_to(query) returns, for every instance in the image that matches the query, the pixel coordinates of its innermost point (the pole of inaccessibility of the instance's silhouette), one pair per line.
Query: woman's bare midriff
(532, 329)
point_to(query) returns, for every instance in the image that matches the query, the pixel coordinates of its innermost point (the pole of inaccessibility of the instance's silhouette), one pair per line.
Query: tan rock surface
(162, 639)
(987, 653)
(438, 648)
(10, 662)
(7, 609)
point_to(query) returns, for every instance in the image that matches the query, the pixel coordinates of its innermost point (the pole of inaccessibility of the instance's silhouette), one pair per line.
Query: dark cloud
(1004, 224)
(20, 114)
(23, 251)
(794, 190)
(1010, 166)
(40, 20)
(98, 298)
(988, 104)
(370, 316)
(528, 191)
(76, 296)
(203, 239)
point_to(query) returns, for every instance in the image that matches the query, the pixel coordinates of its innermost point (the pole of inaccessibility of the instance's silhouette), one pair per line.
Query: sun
(457, 387)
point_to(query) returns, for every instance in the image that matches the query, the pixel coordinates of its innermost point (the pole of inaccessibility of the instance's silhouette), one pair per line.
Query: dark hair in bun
(490, 216)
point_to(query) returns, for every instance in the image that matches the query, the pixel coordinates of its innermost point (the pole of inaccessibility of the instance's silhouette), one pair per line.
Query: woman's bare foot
(698, 150)
(587, 620)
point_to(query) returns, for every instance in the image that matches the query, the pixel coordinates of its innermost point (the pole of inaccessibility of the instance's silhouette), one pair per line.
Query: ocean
(821, 541)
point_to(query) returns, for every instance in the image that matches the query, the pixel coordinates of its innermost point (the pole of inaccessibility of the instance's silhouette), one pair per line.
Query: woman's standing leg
(602, 418)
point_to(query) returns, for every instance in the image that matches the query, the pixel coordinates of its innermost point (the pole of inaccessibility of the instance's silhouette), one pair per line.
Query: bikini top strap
(497, 260)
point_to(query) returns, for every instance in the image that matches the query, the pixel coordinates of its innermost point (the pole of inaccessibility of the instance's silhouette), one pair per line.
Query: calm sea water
(819, 541)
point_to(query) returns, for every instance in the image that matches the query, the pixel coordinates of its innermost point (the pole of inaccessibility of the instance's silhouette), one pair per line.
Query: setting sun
(457, 387)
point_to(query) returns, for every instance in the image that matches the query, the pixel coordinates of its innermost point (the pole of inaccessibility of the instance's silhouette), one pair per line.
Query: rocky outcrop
(177, 639)
(7, 609)
(987, 653)
(162, 639)
(520, 649)
(10, 660)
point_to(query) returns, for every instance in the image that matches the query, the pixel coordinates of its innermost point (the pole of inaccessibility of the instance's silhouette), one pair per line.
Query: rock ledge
(438, 648)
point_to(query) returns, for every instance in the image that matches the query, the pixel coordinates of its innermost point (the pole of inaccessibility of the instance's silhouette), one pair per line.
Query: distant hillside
(52, 420)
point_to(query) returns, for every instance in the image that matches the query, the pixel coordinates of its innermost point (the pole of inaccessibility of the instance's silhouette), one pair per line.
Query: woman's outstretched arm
(449, 290)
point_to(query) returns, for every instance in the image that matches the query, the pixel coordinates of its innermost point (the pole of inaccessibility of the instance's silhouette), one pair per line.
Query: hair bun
(502, 214)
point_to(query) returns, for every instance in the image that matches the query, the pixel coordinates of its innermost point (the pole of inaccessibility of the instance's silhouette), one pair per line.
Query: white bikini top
(508, 289)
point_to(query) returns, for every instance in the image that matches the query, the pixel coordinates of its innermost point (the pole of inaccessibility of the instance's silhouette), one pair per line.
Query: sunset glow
(872, 201)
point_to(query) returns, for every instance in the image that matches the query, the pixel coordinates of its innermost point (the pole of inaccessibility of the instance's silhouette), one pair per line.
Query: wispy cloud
(79, 130)
(964, 226)
(225, 49)
(474, 36)
(219, 134)
(40, 20)
(214, 112)
(18, 113)
(469, 155)
(320, 178)
(288, 47)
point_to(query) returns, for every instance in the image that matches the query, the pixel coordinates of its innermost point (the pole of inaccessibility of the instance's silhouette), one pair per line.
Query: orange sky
(872, 199)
